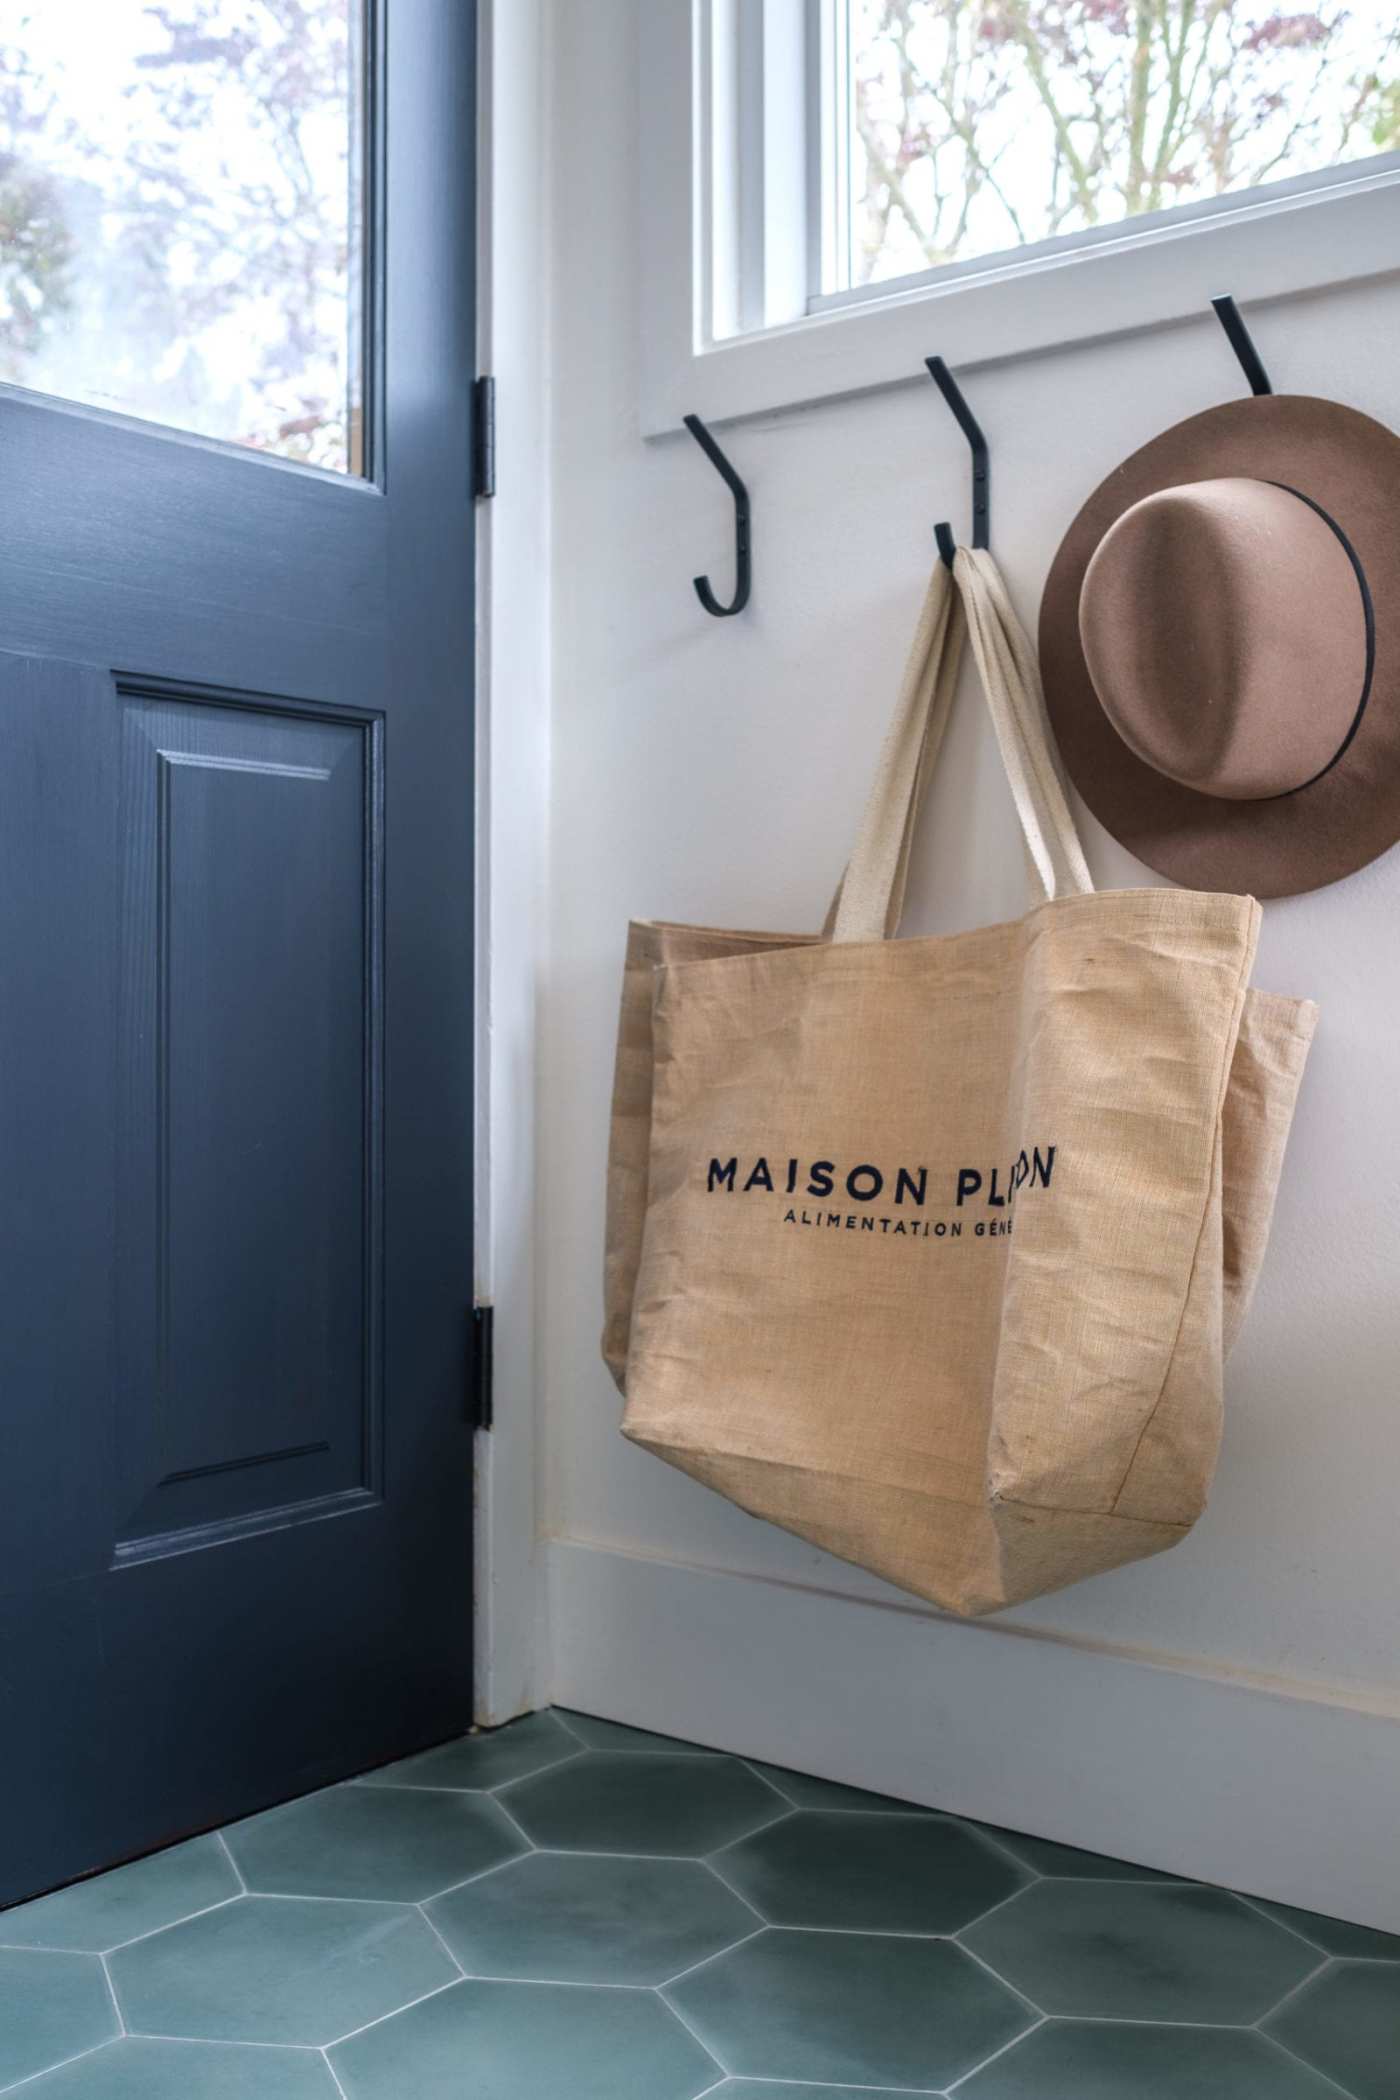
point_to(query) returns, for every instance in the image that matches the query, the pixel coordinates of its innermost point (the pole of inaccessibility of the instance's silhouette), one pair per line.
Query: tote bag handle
(1010, 679)
(970, 603)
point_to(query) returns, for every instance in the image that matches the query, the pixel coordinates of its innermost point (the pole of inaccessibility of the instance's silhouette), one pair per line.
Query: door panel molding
(243, 1085)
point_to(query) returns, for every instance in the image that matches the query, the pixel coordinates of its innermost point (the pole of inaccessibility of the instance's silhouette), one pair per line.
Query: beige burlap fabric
(929, 1250)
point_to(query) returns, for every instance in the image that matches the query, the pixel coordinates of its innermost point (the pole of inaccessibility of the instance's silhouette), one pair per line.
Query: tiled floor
(569, 1910)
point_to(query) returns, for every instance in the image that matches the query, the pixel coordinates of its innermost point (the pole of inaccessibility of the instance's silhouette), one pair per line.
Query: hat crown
(1224, 626)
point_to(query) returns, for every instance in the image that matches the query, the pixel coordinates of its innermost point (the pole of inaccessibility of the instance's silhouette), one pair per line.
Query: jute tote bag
(930, 1250)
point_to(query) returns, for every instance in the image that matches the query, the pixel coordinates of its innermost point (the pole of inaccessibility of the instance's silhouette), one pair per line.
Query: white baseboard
(1286, 1791)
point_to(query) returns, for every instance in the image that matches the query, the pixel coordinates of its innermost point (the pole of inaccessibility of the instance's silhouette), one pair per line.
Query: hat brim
(1350, 465)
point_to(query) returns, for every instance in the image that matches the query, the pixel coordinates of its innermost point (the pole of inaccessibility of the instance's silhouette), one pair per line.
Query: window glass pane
(180, 215)
(981, 125)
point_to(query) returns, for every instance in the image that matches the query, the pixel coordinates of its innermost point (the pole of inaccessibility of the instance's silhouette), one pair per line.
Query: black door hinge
(484, 436)
(480, 1401)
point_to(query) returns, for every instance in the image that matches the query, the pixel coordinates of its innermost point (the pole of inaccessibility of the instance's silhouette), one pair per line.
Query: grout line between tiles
(876, 1932)
(220, 2041)
(825, 1808)
(1083, 2019)
(783, 2085)
(1014, 2043)
(371, 1785)
(691, 1753)
(422, 1999)
(738, 1894)
(769, 1787)
(187, 1919)
(1136, 2020)
(983, 1915)
(645, 1859)
(556, 1983)
(43, 1947)
(33, 2076)
(1014, 1859)
(335, 2078)
(316, 1896)
(705, 1959)
(112, 1994)
(1363, 1961)
(517, 1826)
(1150, 1877)
(223, 2041)
(1257, 1903)
(679, 2017)
(461, 1972)
(228, 1855)
(566, 1757)
(664, 1745)
(1004, 1981)
(1325, 1962)
(1293, 2058)
(1367, 1961)
(785, 1815)
(751, 1765)
(376, 1784)
(482, 1874)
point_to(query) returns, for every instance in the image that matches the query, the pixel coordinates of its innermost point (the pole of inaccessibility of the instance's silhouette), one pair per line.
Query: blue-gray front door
(236, 995)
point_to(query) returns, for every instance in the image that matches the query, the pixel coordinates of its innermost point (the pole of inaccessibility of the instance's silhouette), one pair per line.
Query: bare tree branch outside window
(981, 125)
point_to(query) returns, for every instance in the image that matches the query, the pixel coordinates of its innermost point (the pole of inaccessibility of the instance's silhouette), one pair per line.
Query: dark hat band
(1368, 611)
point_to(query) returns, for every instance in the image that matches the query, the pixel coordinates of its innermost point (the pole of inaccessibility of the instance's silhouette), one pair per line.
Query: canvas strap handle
(869, 900)
(1016, 701)
(970, 603)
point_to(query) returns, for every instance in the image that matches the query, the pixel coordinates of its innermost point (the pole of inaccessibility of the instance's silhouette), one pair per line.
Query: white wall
(713, 771)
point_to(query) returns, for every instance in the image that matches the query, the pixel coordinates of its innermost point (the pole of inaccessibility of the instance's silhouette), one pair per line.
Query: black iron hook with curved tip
(981, 464)
(1242, 343)
(743, 547)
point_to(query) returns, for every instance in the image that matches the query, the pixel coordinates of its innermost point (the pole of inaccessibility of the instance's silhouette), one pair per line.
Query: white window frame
(734, 222)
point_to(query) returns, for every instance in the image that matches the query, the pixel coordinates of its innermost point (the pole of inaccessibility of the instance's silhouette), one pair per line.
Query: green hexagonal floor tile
(1092, 2060)
(847, 2008)
(1347, 2025)
(565, 1917)
(527, 2041)
(646, 1803)
(869, 1873)
(94, 1916)
(1141, 1951)
(291, 1969)
(148, 2070)
(490, 1759)
(392, 1844)
(51, 2007)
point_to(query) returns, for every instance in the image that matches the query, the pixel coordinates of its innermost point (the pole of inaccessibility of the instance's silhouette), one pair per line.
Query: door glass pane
(978, 126)
(181, 216)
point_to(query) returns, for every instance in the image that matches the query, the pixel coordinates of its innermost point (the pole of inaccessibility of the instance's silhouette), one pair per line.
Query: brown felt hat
(1220, 643)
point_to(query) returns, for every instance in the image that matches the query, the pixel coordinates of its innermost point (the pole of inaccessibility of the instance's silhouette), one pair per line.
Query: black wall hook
(1242, 343)
(981, 464)
(743, 551)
